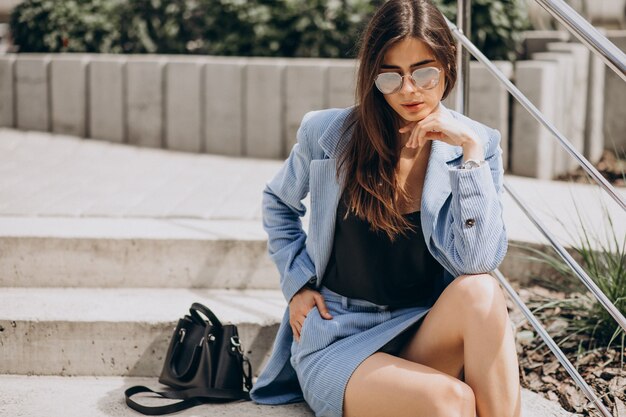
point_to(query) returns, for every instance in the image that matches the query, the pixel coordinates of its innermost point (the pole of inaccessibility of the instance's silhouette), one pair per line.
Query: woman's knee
(481, 293)
(459, 400)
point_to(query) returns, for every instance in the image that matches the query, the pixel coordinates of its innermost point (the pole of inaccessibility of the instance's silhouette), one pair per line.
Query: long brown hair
(369, 160)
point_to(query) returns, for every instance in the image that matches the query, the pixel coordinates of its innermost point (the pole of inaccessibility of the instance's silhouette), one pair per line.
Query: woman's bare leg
(472, 311)
(385, 385)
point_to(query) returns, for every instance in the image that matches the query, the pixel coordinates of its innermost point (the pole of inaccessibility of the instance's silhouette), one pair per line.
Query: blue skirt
(329, 351)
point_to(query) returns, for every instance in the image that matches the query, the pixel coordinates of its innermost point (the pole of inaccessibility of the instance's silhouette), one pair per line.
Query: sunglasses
(423, 78)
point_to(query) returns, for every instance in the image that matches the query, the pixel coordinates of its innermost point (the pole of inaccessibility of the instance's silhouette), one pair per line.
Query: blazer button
(470, 222)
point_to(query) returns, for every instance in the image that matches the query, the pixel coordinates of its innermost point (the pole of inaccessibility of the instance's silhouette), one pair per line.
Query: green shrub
(604, 260)
(278, 28)
(496, 27)
(64, 26)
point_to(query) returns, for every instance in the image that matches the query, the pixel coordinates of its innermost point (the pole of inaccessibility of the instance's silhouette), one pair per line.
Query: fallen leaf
(551, 367)
(534, 382)
(617, 386)
(572, 399)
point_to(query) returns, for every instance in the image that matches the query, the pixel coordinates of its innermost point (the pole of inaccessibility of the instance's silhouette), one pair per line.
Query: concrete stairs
(89, 297)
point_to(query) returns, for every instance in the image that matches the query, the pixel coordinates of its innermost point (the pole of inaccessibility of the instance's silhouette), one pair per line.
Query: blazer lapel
(325, 191)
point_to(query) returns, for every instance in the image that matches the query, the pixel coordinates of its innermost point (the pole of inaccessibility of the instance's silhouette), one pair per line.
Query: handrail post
(463, 21)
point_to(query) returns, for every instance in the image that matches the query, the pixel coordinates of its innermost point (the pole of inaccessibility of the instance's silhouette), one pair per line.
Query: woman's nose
(408, 85)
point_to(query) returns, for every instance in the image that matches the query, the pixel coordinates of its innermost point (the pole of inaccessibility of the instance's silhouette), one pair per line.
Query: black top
(367, 265)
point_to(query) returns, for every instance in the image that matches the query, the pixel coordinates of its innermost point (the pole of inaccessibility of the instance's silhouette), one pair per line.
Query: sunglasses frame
(412, 78)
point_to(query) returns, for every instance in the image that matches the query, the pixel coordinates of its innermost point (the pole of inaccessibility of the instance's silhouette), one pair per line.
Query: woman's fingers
(296, 333)
(425, 129)
(321, 306)
(301, 306)
(407, 127)
(296, 328)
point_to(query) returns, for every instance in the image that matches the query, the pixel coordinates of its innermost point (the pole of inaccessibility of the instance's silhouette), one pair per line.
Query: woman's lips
(412, 107)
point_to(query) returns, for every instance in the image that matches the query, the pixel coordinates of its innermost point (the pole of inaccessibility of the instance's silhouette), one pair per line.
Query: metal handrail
(528, 105)
(463, 20)
(588, 35)
(552, 345)
(582, 275)
(601, 46)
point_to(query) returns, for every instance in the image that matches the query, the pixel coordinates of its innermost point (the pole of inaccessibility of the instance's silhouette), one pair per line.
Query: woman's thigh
(438, 342)
(386, 385)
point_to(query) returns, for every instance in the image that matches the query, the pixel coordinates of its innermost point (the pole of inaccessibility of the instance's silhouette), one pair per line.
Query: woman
(391, 312)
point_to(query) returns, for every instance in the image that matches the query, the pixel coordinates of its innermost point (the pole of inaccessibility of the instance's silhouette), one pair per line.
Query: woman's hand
(440, 125)
(300, 305)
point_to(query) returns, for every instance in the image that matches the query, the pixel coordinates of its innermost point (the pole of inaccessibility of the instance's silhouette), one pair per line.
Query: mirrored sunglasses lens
(388, 82)
(426, 78)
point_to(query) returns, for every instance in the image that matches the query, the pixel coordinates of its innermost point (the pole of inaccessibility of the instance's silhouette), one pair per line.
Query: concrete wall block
(145, 101)
(224, 89)
(68, 91)
(264, 109)
(107, 98)
(537, 40)
(183, 106)
(580, 70)
(563, 162)
(32, 92)
(7, 90)
(341, 83)
(606, 12)
(305, 91)
(615, 101)
(489, 101)
(532, 147)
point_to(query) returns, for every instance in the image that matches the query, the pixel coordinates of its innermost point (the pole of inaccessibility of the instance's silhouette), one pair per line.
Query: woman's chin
(413, 116)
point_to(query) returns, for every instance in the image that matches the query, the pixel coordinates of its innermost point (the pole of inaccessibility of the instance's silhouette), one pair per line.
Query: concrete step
(85, 213)
(37, 396)
(120, 332)
(134, 252)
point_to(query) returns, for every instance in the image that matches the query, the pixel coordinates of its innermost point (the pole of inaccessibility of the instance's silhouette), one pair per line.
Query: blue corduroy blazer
(461, 215)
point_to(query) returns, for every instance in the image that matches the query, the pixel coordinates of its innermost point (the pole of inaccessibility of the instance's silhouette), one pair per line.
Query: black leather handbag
(204, 364)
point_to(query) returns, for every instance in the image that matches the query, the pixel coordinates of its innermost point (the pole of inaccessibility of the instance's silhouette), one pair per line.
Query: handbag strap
(197, 307)
(190, 398)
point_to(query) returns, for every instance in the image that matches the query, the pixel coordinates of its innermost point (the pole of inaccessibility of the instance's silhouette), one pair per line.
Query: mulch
(611, 166)
(604, 370)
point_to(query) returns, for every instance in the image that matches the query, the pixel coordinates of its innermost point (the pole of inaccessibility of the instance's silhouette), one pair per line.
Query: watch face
(470, 164)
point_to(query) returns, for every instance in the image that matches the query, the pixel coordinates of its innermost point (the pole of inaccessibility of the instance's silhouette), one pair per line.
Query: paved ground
(103, 397)
(48, 180)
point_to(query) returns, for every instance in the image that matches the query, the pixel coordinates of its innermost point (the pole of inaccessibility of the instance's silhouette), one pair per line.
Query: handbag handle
(190, 398)
(197, 307)
(191, 366)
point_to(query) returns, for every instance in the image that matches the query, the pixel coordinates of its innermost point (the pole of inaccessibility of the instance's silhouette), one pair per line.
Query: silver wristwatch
(471, 163)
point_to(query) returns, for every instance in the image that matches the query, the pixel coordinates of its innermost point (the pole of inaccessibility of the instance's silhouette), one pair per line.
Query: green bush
(496, 26)
(64, 26)
(602, 255)
(277, 28)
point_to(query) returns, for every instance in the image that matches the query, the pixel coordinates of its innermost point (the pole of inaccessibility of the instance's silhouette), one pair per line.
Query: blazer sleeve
(282, 209)
(473, 234)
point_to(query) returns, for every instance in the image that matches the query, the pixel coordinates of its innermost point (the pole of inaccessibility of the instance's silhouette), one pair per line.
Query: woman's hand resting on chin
(442, 126)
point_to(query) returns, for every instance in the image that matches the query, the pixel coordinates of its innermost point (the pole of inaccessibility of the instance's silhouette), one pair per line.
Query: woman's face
(411, 102)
